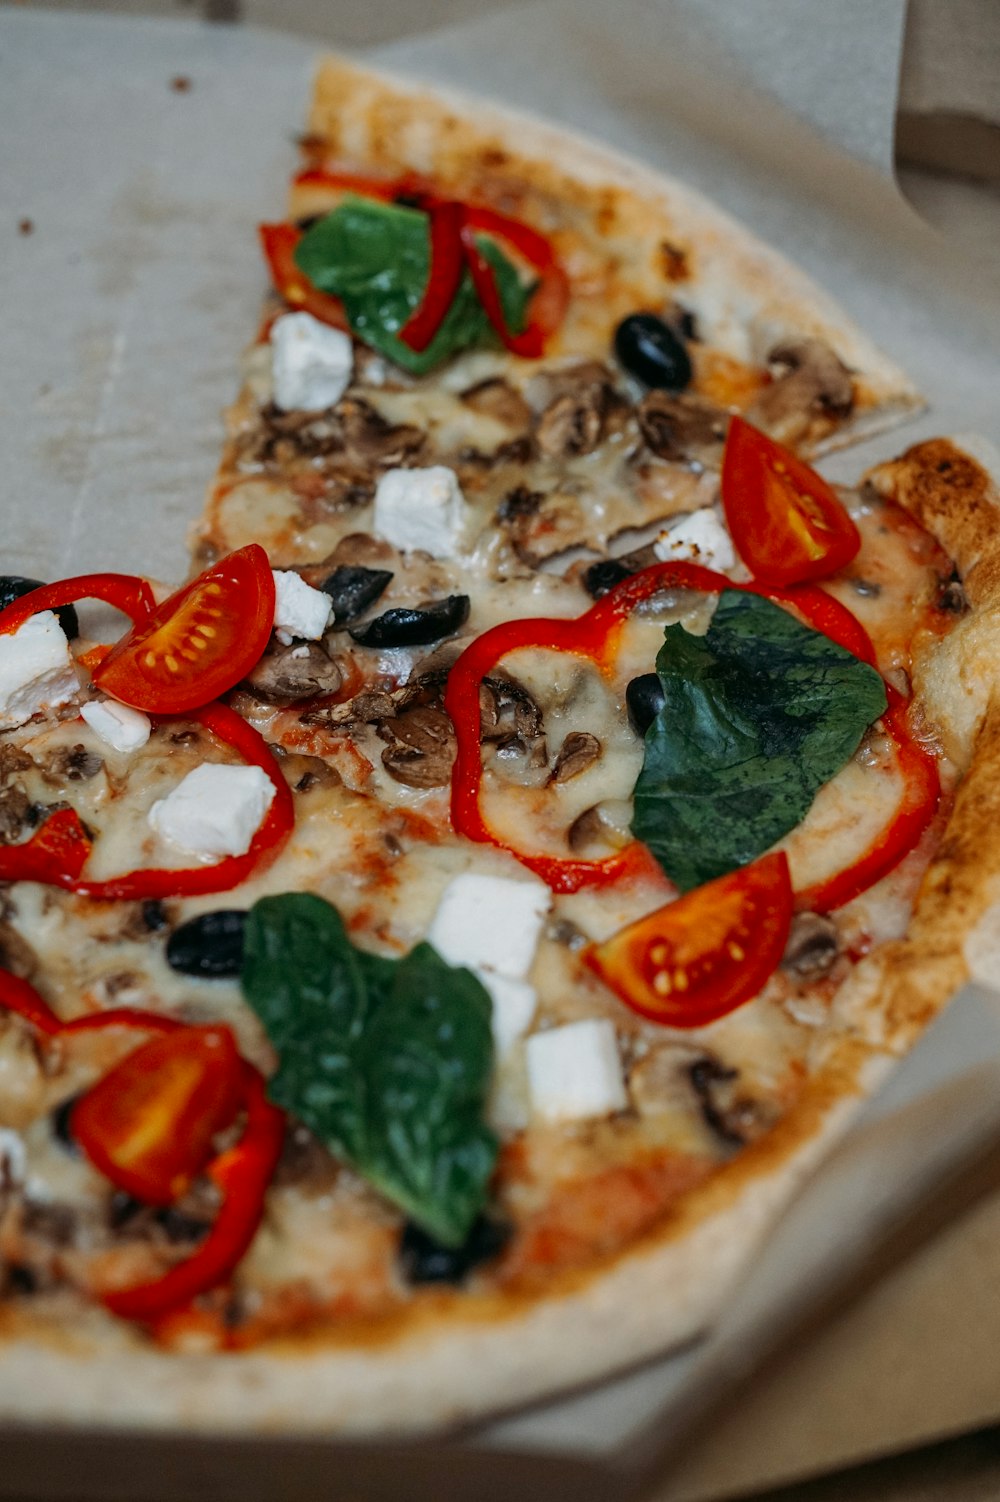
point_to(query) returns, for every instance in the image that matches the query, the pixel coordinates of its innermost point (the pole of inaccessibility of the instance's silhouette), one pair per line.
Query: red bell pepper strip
(58, 860)
(530, 342)
(349, 182)
(594, 635)
(242, 1173)
(126, 592)
(916, 808)
(447, 264)
(279, 242)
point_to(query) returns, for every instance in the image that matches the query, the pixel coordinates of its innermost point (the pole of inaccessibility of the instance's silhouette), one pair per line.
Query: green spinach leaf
(376, 256)
(387, 1061)
(759, 713)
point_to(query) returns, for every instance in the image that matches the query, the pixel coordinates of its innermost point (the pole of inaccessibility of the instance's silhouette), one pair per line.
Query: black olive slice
(415, 626)
(425, 1260)
(62, 1129)
(651, 350)
(604, 575)
(13, 586)
(210, 945)
(353, 588)
(644, 699)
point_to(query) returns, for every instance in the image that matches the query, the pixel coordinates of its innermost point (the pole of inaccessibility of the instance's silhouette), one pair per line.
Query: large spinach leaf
(759, 713)
(387, 1061)
(375, 257)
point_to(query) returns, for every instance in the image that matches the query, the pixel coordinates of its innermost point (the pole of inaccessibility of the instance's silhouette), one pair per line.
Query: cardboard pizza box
(139, 197)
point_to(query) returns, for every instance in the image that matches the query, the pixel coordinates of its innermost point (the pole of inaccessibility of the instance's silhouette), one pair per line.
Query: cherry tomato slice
(704, 955)
(279, 242)
(199, 642)
(786, 521)
(149, 1124)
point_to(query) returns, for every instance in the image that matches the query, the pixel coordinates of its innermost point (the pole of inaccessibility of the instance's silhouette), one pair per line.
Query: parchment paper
(139, 281)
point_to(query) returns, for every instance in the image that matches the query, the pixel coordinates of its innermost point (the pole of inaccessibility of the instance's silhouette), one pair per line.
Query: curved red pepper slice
(242, 1174)
(921, 795)
(126, 592)
(594, 635)
(58, 859)
(350, 182)
(278, 242)
(447, 264)
(705, 954)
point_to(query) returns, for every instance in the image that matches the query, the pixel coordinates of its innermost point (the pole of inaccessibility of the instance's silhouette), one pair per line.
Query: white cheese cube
(299, 610)
(701, 537)
(514, 1003)
(311, 363)
(575, 1071)
(490, 922)
(215, 810)
(36, 670)
(420, 509)
(118, 726)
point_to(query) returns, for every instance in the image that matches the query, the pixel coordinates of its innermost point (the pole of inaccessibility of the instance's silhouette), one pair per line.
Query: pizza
(439, 936)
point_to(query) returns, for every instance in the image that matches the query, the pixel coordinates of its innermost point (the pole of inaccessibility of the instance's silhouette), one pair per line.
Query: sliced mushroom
(570, 425)
(735, 1118)
(813, 946)
(578, 751)
(301, 671)
(16, 954)
(13, 760)
(74, 764)
(601, 826)
(496, 398)
(15, 813)
(812, 381)
(303, 773)
(369, 438)
(422, 747)
(683, 426)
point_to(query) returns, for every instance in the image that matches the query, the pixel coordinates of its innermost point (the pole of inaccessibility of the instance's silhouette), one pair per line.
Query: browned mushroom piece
(584, 405)
(542, 526)
(683, 427)
(421, 750)
(303, 773)
(370, 439)
(733, 1115)
(16, 954)
(507, 709)
(352, 437)
(812, 381)
(300, 671)
(578, 751)
(496, 398)
(813, 946)
(601, 827)
(15, 813)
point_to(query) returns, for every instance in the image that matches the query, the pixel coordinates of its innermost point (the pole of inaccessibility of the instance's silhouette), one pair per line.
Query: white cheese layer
(311, 363)
(299, 610)
(215, 810)
(118, 726)
(420, 509)
(36, 670)
(575, 1072)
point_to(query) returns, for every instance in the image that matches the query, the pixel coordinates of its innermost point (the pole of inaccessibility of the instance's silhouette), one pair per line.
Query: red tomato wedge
(701, 957)
(786, 522)
(279, 242)
(149, 1124)
(199, 642)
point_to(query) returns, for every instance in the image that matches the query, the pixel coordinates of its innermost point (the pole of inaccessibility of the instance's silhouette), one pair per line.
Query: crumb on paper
(26, 227)
(180, 83)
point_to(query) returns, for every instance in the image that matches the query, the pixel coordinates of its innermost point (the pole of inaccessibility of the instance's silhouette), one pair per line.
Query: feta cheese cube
(699, 536)
(490, 922)
(575, 1071)
(215, 810)
(36, 670)
(118, 726)
(311, 363)
(514, 1003)
(420, 509)
(299, 610)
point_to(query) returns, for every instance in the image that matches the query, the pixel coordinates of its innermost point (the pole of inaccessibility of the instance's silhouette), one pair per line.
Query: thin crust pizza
(438, 938)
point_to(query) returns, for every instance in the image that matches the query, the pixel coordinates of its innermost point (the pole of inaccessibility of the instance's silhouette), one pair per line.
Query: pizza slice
(438, 938)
